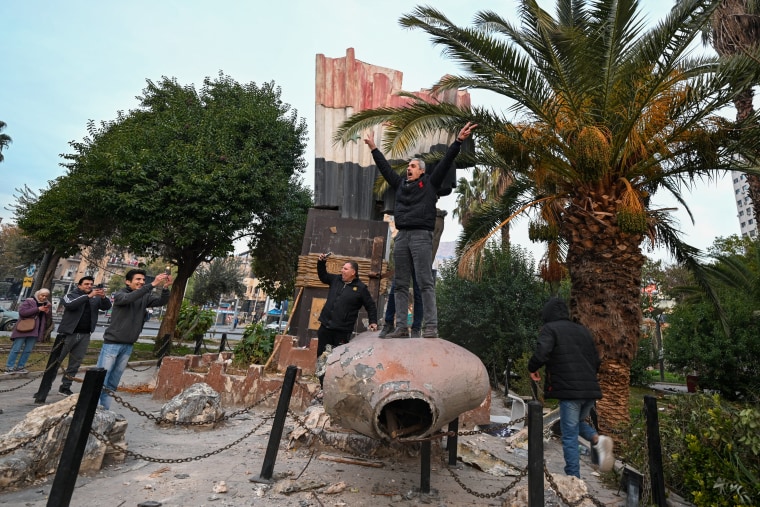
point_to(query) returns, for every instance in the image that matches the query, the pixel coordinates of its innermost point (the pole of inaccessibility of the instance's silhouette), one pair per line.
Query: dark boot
(400, 332)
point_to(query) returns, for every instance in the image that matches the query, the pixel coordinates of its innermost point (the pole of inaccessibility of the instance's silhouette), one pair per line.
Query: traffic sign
(27, 281)
(31, 269)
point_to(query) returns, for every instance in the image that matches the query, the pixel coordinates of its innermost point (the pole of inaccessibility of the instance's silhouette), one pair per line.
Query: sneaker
(65, 391)
(387, 328)
(399, 332)
(415, 333)
(38, 401)
(603, 448)
(430, 332)
(21, 370)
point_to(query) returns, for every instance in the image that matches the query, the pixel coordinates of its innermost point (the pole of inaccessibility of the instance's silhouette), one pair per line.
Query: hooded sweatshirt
(568, 351)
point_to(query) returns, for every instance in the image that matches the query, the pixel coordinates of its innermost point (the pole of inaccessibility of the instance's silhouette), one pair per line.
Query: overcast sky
(65, 63)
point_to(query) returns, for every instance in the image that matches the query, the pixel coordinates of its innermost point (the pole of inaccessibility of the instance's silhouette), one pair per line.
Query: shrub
(254, 347)
(710, 450)
(497, 315)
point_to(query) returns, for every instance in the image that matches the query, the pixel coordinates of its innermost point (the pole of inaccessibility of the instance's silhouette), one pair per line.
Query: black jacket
(74, 302)
(568, 351)
(416, 200)
(344, 301)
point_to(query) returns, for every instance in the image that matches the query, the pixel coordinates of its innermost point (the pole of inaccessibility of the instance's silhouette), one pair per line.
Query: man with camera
(127, 319)
(80, 316)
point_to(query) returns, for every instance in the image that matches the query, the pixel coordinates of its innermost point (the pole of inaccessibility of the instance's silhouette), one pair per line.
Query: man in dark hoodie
(127, 319)
(568, 352)
(80, 316)
(414, 216)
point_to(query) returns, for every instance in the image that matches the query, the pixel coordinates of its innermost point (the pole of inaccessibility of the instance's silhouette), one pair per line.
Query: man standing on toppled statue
(414, 216)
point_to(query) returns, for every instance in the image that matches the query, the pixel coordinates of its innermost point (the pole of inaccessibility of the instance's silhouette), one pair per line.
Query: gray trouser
(75, 345)
(414, 249)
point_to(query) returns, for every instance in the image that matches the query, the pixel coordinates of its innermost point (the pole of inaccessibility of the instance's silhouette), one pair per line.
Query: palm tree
(735, 28)
(5, 140)
(485, 185)
(608, 112)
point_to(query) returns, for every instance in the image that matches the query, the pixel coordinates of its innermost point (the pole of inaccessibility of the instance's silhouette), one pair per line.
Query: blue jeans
(572, 422)
(413, 252)
(27, 343)
(390, 309)
(114, 358)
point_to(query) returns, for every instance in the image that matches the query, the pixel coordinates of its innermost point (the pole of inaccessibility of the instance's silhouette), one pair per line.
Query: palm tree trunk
(605, 272)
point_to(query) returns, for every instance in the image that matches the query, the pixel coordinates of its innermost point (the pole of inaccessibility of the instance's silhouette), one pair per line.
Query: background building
(744, 211)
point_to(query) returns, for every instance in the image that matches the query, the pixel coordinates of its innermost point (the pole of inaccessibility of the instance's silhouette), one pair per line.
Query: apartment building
(744, 211)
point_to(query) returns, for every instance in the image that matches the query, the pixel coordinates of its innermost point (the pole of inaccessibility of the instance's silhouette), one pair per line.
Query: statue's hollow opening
(406, 418)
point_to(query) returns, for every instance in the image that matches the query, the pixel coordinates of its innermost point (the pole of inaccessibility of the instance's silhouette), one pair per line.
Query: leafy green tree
(5, 140)
(496, 315)
(191, 171)
(16, 251)
(220, 277)
(724, 357)
(283, 233)
(605, 112)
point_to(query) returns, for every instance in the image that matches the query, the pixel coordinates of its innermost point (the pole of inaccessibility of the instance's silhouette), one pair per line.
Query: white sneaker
(603, 448)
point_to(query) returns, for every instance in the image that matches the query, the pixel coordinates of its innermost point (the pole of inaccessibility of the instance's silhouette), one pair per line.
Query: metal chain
(162, 420)
(138, 370)
(34, 376)
(32, 379)
(471, 491)
(137, 455)
(564, 500)
(43, 430)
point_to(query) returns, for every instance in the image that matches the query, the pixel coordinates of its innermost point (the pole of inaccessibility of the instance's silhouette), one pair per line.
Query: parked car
(8, 319)
(274, 326)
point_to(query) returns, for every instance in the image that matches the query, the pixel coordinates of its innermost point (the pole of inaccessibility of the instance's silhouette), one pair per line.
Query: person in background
(37, 307)
(127, 318)
(345, 297)
(414, 216)
(568, 352)
(390, 311)
(80, 316)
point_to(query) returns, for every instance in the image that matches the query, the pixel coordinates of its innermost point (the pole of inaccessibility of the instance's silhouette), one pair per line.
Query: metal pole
(507, 373)
(452, 441)
(655, 450)
(535, 454)
(425, 468)
(661, 351)
(76, 440)
(277, 425)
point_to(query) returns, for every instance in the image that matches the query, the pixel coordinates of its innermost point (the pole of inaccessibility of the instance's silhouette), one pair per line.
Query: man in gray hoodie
(127, 319)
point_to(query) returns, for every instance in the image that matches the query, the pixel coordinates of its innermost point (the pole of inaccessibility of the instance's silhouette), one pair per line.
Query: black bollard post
(425, 468)
(655, 450)
(223, 343)
(76, 440)
(165, 344)
(277, 425)
(535, 454)
(452, 441)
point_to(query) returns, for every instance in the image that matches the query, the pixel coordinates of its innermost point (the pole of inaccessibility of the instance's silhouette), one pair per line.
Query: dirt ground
(181, 466)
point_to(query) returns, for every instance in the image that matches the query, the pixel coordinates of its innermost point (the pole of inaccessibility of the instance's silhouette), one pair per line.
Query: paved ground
(222, 479)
